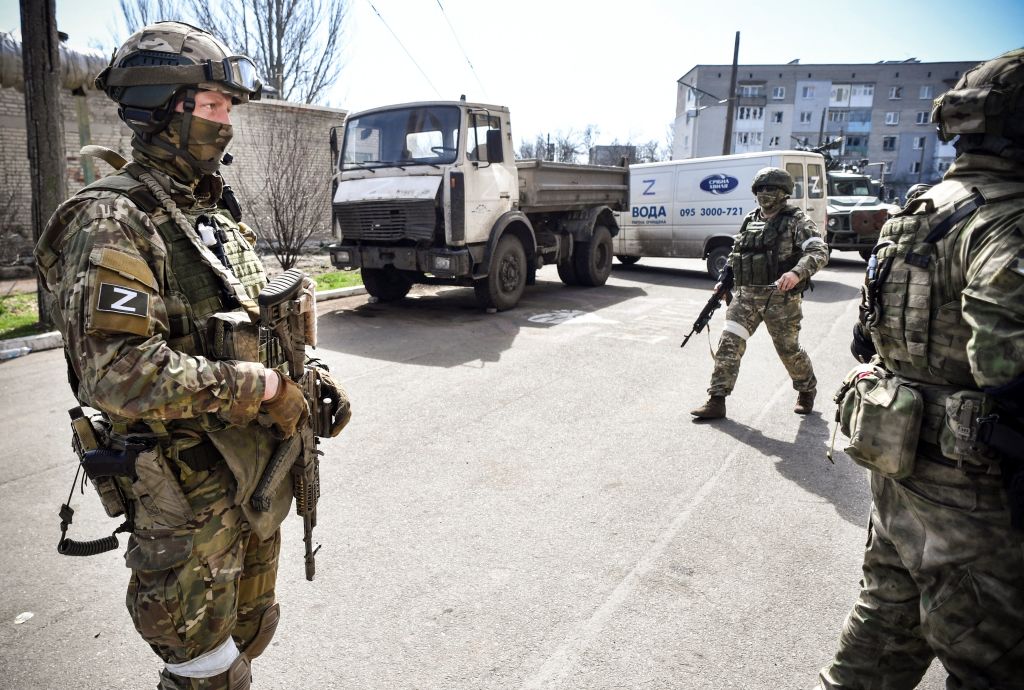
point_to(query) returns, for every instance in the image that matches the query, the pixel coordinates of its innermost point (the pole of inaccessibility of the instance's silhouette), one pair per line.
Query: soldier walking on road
(938, 408)
(152, 282)
(777, 250)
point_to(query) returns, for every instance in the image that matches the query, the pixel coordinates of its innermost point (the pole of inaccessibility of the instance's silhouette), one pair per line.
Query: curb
(52, 340)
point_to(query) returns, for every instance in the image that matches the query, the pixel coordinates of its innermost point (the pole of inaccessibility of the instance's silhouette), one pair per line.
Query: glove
(337, 413)
(288, 409)
(862, 348)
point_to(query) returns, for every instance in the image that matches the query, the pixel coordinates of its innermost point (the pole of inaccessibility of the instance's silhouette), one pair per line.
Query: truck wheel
(504, 284)
(386, 284)
(627, 260)
(716, 260)
(567, 272)
(593, 259)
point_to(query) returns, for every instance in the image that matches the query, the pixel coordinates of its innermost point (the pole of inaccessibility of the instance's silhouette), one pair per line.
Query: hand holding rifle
(723, 290)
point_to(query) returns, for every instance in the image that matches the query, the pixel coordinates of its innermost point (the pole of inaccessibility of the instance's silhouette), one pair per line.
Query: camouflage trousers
(781, 313)
(192, 588)
(943, 576)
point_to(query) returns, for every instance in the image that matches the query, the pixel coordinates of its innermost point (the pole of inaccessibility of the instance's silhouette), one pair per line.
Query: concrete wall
(269, 136)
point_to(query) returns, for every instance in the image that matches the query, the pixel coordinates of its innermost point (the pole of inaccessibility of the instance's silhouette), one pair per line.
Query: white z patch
(121, 300)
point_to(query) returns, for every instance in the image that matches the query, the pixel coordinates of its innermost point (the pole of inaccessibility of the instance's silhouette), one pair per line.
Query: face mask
(771, 201)
(207, 141)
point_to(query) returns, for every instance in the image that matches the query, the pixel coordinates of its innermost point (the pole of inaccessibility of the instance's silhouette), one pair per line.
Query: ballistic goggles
(237, 73)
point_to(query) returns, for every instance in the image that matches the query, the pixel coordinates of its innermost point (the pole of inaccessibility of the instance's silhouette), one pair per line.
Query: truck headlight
(342, 257)
(442, 263)
(832, 222)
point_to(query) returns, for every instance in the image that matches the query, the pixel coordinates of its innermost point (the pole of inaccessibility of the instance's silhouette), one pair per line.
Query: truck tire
(716, 260)
(567, 272)
(387, 284)
(504, 284)
(627, 260)
(593, 259)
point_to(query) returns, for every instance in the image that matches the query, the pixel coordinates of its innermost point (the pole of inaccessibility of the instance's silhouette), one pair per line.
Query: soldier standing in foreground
(152, 281)
(773, 257)
(938, 413)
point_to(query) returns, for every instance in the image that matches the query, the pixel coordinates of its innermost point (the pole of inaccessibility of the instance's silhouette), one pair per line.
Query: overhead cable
(459, 43)
(406, 50)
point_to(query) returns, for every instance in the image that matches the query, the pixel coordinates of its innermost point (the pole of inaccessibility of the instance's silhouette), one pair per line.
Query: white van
(690, 209)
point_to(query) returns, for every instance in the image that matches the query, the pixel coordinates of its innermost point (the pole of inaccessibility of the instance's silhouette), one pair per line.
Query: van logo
(719, 183)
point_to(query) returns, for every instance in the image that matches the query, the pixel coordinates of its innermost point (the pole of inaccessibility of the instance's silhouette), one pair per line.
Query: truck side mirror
(494, 153)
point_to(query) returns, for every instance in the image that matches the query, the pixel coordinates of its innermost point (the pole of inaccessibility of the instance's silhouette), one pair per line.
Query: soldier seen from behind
(153, 282)
(936, 412)
(777, 250)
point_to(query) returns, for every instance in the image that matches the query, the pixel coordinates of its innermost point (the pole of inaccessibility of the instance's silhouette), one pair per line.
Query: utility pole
(730, 110)
(40, 56)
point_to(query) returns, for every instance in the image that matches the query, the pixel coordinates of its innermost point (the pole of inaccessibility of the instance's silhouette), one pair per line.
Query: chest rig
(760, 257)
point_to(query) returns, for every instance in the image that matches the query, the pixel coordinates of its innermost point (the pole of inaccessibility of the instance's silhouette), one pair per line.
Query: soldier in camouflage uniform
(777, 250)
(943, 572)
(145, 271)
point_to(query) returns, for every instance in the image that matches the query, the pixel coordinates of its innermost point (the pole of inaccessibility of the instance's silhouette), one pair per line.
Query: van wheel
(627, 260)
(716, 260)
(593, 259)
(387, 284)
(504, 284)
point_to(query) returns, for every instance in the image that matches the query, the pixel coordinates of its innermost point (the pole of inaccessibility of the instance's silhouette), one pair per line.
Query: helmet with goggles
(164, 60)
(986, 107)
(773, 177)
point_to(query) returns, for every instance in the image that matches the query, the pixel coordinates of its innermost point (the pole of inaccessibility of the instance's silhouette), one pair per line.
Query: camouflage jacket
(798, 246)
(103, 264)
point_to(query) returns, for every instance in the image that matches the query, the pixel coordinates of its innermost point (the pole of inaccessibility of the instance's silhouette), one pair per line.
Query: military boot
(714, 408)
(804, 402)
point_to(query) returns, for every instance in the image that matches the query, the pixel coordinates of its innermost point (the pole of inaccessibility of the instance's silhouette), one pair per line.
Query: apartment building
(881, 111)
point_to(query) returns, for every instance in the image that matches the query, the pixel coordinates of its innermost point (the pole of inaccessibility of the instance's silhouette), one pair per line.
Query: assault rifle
(725, 280)
(282, 313)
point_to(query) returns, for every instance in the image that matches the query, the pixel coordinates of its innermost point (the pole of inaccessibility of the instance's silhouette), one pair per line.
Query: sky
(561, 65)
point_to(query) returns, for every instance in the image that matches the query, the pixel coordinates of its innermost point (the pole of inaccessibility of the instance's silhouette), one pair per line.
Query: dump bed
(546, 187)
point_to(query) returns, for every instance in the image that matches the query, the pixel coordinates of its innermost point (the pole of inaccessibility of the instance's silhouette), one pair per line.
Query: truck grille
(386, 220)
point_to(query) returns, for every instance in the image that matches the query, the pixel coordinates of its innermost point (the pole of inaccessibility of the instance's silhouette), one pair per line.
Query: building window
(919, 143)
(862, 90)
(747, 138)
(892, 118)
(888, 143)
(749, 90)
(887, 167)
(778, 93)
(895, 93)
(777, 116)
(840, 94)
(942, 166)
(923, 116)
(805, 116)
(749, 113)
(837, 115)
(808, 92)
(926, 92)
(915, 167)
(774, 141)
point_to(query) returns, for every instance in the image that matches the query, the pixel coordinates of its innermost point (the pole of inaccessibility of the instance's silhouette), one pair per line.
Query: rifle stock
(705, 314)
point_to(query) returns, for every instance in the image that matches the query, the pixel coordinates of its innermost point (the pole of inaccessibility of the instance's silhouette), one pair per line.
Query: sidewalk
(16, 347)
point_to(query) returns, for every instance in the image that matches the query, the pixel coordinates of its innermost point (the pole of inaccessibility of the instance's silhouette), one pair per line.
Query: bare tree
(648, 153)
(527, 149)
(14, 236)
(286, 206)
(296, 44)
(139, 13)
(670, 139)
(567, 146)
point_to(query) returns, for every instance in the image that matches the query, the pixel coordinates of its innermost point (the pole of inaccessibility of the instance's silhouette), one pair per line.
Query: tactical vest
(758, 260)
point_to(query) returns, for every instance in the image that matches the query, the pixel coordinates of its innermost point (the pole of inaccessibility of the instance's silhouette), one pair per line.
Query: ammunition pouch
(881, 414)
(233, 336)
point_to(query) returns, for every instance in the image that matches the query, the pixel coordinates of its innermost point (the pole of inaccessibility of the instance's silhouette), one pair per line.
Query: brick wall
(269, 136)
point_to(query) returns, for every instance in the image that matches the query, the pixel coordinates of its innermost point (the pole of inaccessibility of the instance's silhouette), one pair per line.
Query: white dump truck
(692, 208)
(431, 192)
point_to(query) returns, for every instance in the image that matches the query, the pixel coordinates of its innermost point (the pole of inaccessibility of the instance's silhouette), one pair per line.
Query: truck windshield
(423, 135)
(850, 186)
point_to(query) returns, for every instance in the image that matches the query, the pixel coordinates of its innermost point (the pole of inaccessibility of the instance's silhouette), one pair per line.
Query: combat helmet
(774, 177)
(163, 62)
(986, 108)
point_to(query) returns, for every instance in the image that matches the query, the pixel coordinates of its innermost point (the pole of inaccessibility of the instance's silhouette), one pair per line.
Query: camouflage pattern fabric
(798, 243)
(781, 314)
(943, 570)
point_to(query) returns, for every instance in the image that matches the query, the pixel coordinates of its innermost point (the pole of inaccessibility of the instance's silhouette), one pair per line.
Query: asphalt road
(520, 501)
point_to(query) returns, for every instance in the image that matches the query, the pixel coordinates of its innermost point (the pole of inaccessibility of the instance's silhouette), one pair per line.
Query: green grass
(337, 279)
(19, 316)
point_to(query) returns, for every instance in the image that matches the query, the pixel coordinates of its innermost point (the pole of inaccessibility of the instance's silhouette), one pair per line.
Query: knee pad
(268, 625)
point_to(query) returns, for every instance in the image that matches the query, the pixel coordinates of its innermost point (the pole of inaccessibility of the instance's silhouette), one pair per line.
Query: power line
(406, 50)
(459, 43)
